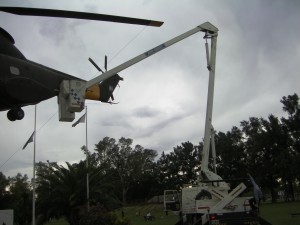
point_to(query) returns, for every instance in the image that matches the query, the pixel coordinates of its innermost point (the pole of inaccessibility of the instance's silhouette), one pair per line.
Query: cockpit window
(14, 70)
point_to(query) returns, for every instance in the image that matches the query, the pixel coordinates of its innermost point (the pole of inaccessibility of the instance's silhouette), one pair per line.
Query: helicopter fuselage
(23, 82)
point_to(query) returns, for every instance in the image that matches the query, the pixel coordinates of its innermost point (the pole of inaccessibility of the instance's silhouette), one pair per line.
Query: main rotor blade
(95, 65)
(79, 15)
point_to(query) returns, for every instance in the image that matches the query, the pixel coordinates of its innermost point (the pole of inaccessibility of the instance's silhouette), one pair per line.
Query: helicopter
(24, 82)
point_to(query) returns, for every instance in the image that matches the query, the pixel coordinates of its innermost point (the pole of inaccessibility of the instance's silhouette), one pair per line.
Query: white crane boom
(205, 27)
(211, 64)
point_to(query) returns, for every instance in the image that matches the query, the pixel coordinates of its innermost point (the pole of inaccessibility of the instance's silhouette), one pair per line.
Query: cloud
(146, 111)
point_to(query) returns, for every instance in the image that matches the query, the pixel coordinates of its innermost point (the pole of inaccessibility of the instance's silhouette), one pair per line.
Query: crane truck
(211, 201)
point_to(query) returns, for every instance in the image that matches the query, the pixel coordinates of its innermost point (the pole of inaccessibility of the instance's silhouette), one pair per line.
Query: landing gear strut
(15, 114)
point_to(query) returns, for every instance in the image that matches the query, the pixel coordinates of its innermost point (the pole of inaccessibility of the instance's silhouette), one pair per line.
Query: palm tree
(62, 190)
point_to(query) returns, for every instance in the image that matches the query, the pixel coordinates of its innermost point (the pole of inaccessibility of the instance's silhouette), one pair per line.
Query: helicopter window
(14, 70)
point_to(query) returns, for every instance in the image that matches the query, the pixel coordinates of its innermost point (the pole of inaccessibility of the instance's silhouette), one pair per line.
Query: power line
(23, 144)
(129, 42)
(50, 118)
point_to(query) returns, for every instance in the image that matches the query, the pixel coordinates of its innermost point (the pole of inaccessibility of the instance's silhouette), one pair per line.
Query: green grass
(61, 221)
(155, 209)
(275, 213)
(280, 213)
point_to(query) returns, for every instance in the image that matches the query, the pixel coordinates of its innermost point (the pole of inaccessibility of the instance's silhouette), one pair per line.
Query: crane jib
(154, 50)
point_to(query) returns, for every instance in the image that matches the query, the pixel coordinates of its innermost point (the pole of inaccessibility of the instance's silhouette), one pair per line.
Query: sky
(162, 100)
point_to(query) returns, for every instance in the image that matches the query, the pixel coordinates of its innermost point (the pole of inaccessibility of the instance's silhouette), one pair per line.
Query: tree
(62, 191)
(179, 167)
(269, 149)
(291, 159)
(21, 199)
(129, 163)
(4, 194)
(260, 153)
(231, 155)
(143, 182)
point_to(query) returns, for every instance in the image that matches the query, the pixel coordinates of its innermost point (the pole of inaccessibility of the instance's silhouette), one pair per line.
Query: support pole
(87, 162)
(33, 179)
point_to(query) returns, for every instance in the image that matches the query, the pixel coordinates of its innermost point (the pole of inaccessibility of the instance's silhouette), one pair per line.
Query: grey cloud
(159, 125)
(53, 29)
(146, 111)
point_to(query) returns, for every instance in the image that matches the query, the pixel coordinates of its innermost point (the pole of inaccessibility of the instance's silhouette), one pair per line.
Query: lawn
(276, 214)
(155, 209)
(280, 213)
(58, 222)
(130, 212)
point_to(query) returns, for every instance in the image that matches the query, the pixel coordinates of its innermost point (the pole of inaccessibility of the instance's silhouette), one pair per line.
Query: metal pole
(33, 179)
(87, 162)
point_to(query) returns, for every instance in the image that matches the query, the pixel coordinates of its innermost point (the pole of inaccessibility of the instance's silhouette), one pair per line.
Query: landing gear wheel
(19, 114)
(10, 115)
(15, 114)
